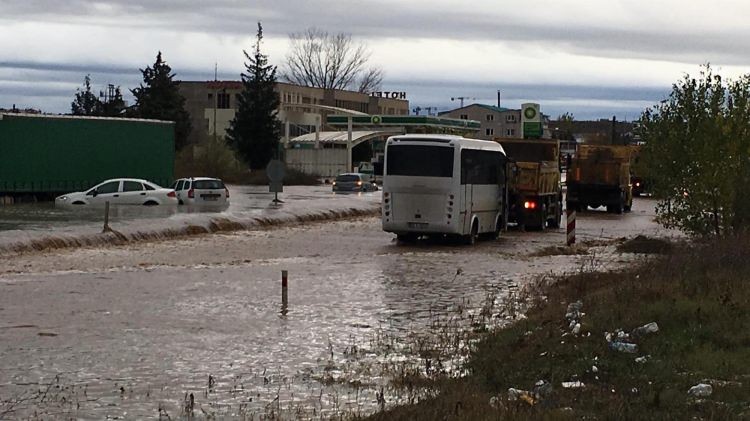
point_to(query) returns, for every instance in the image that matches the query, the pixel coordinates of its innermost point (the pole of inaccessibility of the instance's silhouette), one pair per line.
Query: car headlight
(62, 198)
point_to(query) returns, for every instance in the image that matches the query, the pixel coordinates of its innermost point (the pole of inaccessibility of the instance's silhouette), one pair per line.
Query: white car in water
(121, 191)
(201, 191)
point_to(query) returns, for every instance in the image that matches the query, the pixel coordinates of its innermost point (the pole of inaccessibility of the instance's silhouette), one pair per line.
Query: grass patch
(697, 295)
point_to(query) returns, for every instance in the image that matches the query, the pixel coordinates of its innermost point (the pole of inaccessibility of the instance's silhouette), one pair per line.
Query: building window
(210, 97)
(464, 117)
(510, 132)
(489, 132)
(222, 100)
(511, 118)
(490, 117)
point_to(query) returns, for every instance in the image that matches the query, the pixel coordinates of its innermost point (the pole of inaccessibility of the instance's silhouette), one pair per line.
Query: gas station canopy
(404, 121)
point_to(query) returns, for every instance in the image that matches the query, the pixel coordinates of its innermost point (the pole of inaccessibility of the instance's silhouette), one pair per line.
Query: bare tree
(319, 59)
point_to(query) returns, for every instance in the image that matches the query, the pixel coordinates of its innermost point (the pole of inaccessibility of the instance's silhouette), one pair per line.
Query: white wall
(323, 162)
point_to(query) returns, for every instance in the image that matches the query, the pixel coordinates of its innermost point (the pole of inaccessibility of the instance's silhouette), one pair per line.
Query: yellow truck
(534, 190)
(599, 175)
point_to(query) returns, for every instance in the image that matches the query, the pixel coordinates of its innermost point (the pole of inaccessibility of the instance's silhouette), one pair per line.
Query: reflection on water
(137, 342)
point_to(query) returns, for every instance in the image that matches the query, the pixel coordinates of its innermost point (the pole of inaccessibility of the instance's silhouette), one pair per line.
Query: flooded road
(43, 225)
(132, 331)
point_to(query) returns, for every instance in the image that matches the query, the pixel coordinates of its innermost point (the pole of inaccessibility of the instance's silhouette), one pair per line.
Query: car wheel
(471, 239)
(150, 203)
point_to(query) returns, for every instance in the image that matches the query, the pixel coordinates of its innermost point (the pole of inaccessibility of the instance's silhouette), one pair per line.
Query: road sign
(276, 187)
(275, 170)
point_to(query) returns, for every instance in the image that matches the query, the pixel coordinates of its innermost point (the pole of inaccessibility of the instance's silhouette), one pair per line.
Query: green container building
(45, 155)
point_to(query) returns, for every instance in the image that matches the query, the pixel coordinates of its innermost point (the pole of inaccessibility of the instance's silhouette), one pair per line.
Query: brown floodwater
(131, 331)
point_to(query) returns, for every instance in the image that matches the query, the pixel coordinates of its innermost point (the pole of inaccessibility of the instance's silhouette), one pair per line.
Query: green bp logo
(376, 119)
(529, 113)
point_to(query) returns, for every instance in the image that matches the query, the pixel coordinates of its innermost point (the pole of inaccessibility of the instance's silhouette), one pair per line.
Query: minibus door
(468, 191)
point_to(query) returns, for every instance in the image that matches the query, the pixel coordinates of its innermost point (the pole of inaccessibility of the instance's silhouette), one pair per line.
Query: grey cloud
(368, 19)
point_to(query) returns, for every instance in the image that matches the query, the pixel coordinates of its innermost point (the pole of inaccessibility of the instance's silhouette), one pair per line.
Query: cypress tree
(255, 131)
(158, 97)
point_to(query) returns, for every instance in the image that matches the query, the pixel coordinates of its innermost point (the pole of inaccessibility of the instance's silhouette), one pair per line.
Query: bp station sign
(531, 121)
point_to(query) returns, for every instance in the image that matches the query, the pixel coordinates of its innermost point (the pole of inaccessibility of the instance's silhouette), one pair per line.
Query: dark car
(357, 182)
(639, 186)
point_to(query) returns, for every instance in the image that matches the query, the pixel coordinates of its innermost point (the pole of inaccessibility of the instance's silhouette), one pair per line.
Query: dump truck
(599, 175)
(534, 191)
(42, 156)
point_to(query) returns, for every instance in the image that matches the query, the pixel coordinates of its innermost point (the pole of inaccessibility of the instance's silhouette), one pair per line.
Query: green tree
(697, 153)
(255, 131)
(85, 102)
(564, 129)
(158, 97)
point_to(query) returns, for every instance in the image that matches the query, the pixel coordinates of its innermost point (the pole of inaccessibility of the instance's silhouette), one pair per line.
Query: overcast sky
(593, 58)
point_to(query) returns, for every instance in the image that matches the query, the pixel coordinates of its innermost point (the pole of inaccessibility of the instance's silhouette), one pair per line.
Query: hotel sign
(388, 94)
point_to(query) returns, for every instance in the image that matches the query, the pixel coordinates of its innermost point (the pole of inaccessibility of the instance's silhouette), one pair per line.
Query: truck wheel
(618, 207)
(555, 223)
(621, 205)
(498, 227)
(543, 221)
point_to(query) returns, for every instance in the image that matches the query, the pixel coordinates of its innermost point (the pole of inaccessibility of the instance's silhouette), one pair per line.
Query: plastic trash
(521, 395)
(623, 347)
(701, 390)
(576, 306)
(576, 329)
(542, 389)
(594, 369)
(573, 385)
(574, 310)
(643, 359)
(646, 329)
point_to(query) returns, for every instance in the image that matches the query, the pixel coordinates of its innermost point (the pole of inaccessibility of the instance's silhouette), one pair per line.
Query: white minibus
(443, 185)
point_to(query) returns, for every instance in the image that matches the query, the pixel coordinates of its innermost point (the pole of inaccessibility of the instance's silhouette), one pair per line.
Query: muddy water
(43, 225)
(130, 331)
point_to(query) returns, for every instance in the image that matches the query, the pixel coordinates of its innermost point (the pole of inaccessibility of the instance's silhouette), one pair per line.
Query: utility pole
(216, 95)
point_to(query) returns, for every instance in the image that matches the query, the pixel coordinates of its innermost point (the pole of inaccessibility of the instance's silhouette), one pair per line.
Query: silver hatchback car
(354, 182)
(201, 191)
